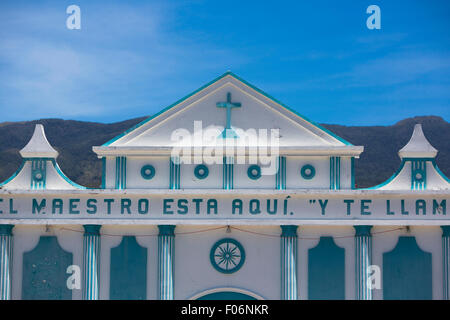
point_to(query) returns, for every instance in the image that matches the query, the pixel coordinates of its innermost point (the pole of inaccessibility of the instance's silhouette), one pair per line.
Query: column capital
(362, 230)
(6, 229)
(289, 231)
(445, 231)
(92, 229)
(166, 230)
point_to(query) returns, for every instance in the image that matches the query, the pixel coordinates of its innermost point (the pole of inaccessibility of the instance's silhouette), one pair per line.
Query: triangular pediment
(251, 111)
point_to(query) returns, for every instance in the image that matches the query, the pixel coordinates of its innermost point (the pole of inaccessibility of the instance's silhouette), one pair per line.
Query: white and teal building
(226, 194)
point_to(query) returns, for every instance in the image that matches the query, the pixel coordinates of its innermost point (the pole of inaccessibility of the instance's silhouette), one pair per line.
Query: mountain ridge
(74, 140)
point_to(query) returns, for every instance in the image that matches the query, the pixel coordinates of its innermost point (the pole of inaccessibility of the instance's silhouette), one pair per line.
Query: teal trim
(128, 275)
(433, 162)
(251, 174)
(91, 262)
(148, 171)
(363, 259)
(228, 173)
(310, 175)
(103, 173)
(62, 175)
(407, 272)
(227, 255)
(280, 177)
(6, 261)
(326, 261)
(198, 174)
(166, 265)
(390, 179)
(228, 73)
(226, 295)
(121, 173)
(38, 174)
(175, 173)
(335, 173)
(289, 279)
(418, 174)
(352, 168)
(14, 174)
(44, 271)
(446, 261)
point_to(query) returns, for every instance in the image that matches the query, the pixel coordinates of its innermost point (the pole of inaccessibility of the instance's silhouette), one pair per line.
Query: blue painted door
(128, 271)
(407, 272)
(44, 271)
(326, 271)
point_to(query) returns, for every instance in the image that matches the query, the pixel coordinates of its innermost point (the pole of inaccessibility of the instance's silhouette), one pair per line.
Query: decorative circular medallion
(227, 255)
(148, 171)
(254, 172)
(38, 176)
(419, 175)
(201, 171)
(308, 171)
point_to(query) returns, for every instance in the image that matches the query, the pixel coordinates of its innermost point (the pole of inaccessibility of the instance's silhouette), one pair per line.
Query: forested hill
(74, 141)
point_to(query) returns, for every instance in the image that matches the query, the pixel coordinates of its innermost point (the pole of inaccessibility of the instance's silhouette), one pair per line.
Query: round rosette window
(201, 171)
(38, 175)
(308, 172)
(254, 172)
(227, 255)
(148, 172)
(419, 175)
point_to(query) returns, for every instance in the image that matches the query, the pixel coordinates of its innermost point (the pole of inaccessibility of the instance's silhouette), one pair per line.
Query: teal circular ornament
(227, 255)
(254, 172)
(38, 175)
(148, 172)
(201, 171)
(419, 175)
(308, 172)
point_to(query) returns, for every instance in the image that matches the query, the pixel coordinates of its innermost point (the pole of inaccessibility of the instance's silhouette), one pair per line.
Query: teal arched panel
(44, 271)
(407, 272)
(128, 271)
(326, 271)
(226, 295)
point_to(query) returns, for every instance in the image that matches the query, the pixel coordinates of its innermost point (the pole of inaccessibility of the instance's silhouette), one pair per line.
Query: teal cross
(228, 132)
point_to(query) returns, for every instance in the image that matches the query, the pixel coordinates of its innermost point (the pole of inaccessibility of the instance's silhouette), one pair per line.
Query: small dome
(418, 146)
(38, 146)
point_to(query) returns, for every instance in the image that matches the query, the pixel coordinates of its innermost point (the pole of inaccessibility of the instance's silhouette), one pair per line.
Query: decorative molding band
(175, 173)
(418, 174)
(335, 173)
(91, 262)
(166, 256)
(228, 174)
(446, 261)
(289, 262)
(6, 260)
(38, 174)
(280, 183)
(363, 255)
(121, 173)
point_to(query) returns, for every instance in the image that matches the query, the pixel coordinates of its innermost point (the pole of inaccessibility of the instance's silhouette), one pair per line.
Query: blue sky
(133, 58)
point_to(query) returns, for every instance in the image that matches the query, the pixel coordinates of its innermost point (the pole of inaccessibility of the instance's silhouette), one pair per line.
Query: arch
(407, 271)
(44, 274)
(128, 274)
(326, 271)
(226, 293)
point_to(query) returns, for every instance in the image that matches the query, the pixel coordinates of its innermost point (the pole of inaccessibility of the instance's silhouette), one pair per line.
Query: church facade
(226, 194)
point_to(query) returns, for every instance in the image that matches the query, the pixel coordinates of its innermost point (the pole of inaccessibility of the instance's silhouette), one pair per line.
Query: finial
(418, 146)
(38, 146)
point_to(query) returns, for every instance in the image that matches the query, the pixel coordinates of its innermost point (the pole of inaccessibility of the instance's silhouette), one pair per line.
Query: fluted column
(446, 260)
(166, 255)
(289, 263)
(363, 259)
(6, 239)
(91, 261)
